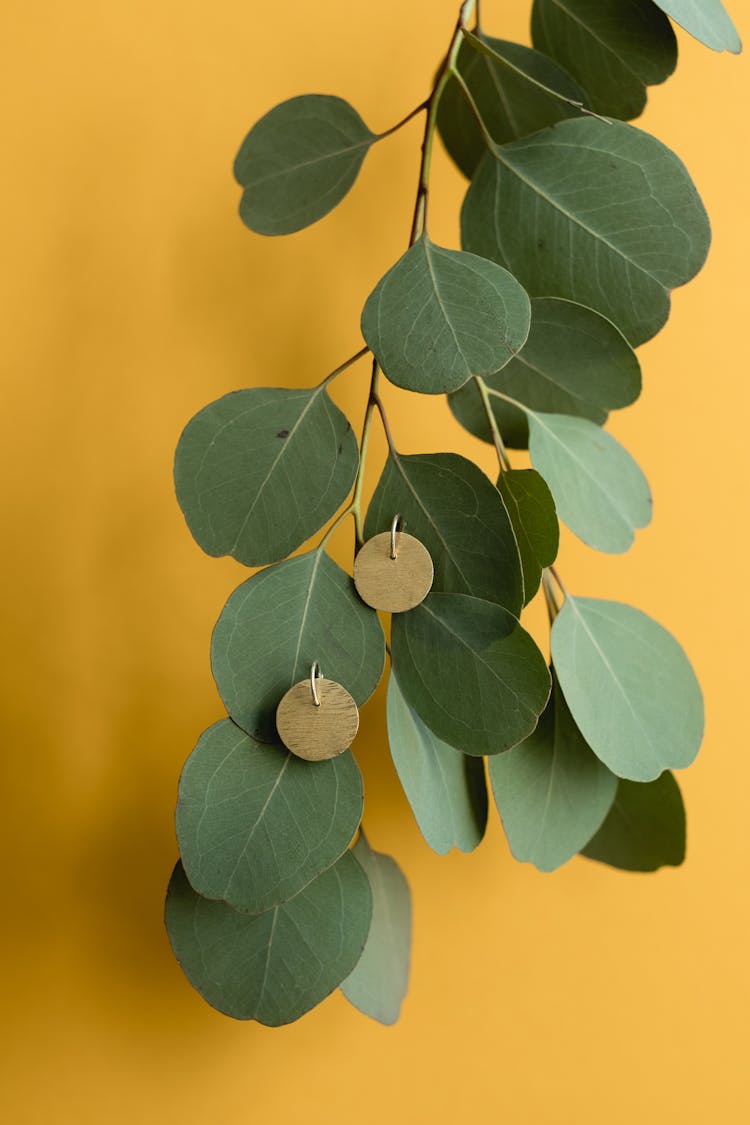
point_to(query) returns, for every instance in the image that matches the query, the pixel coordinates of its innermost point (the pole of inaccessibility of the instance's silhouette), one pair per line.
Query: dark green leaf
(645, 829)
(440, 316)
(378, 984)
(552, 792)
(471, 673)
(299, 161)
(449, 504)
(278, 623)
(604, 215)
(629, 686)
(614, 48)
(276, 966)
(509, 104)
(706, 20)
(532, 512)
(445, 788)
(599, 490)
(255, 824)
(259, 471)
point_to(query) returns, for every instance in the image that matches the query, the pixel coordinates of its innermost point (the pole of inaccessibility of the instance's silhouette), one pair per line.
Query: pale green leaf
(645, 828)
(706, 20)
(532, 512)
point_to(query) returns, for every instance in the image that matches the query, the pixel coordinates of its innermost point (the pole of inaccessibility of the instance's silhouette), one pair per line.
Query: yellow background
(131, 297)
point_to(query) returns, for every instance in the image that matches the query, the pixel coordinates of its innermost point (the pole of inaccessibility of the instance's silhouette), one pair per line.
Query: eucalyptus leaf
(645, 828)
(629, 686)
(440, 316)
(510, 105)
(614, 48)
(532, 513)
(552, 792)
(706, 20)
(445, 788)
(599, 490)
(256, 824)
(272, 967)
(470, 671)
(259, 471)
(449, 504)
(379, 981)
(574, 361)
(604, 215)
(299, 161)
(278, 623)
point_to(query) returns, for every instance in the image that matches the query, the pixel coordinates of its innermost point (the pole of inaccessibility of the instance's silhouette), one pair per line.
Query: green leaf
(706, 20)
(599, 490)
(510, 105)
(645, 828)
(604, 215)
(379, 982)
(278, 623)
(456, 512)
(259, 471)
(629, 686)
(471, 673)
(445, 788)
(552, 792)
(574, 362)
(276, 966)
(256, 824)
(532, 512)
(440, 316)
(299, 161)
(614, 48)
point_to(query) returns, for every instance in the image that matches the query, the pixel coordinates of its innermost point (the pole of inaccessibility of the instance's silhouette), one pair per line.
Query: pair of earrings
(317, 718)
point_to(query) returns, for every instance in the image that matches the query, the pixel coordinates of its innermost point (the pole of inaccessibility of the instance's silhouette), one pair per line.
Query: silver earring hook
(396, 526)
(315, 674)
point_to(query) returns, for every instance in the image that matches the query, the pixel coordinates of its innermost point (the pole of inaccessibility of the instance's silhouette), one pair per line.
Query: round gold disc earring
(393, 571)
(317, 718)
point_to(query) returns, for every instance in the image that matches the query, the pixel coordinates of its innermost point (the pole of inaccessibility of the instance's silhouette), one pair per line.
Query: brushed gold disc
(393, 585)
(316, 733)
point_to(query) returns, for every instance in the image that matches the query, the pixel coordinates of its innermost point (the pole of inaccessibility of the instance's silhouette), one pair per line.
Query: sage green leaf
(510, 105)
(299, 161)
(599, 490)
(532, 512)
(272, 967)
(256, 824)
(278, 623)
(629, 686)
(440, 316)
(449, 504)
(706, 20)
(574, 362)
(445, 788)
(259, 471)
(552, 792)
(471, 673)
(604, 215)
(614, 48)
(379, 981)
(645, 828)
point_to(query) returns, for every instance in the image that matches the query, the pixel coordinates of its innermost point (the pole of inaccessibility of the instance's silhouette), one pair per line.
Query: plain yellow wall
(131, 297)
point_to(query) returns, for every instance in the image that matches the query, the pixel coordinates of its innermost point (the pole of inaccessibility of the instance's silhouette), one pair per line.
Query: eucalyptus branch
(497, 438)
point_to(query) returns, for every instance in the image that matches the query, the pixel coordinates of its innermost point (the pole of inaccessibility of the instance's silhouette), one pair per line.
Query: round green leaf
(259, 471)
(471, 673)
(256, 824)
(278, 623)
(614, 48)
(645, 828)
(532, 513)
(440, 316)
(629, 686)
(604, 215)
(445, 788)
(299, 161)
(552, 792)
(276, 966)
(380, 979)
(599, 490)
(706, 20)
(449, 504)
(510, 105)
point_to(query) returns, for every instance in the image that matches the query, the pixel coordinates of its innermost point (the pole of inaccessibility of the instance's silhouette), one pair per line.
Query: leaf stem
(386, 425)
(552, 604)
(469, 97)
(404, 121)
(343, 366)
(356, 504)
(558, 581)
(497, 438)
